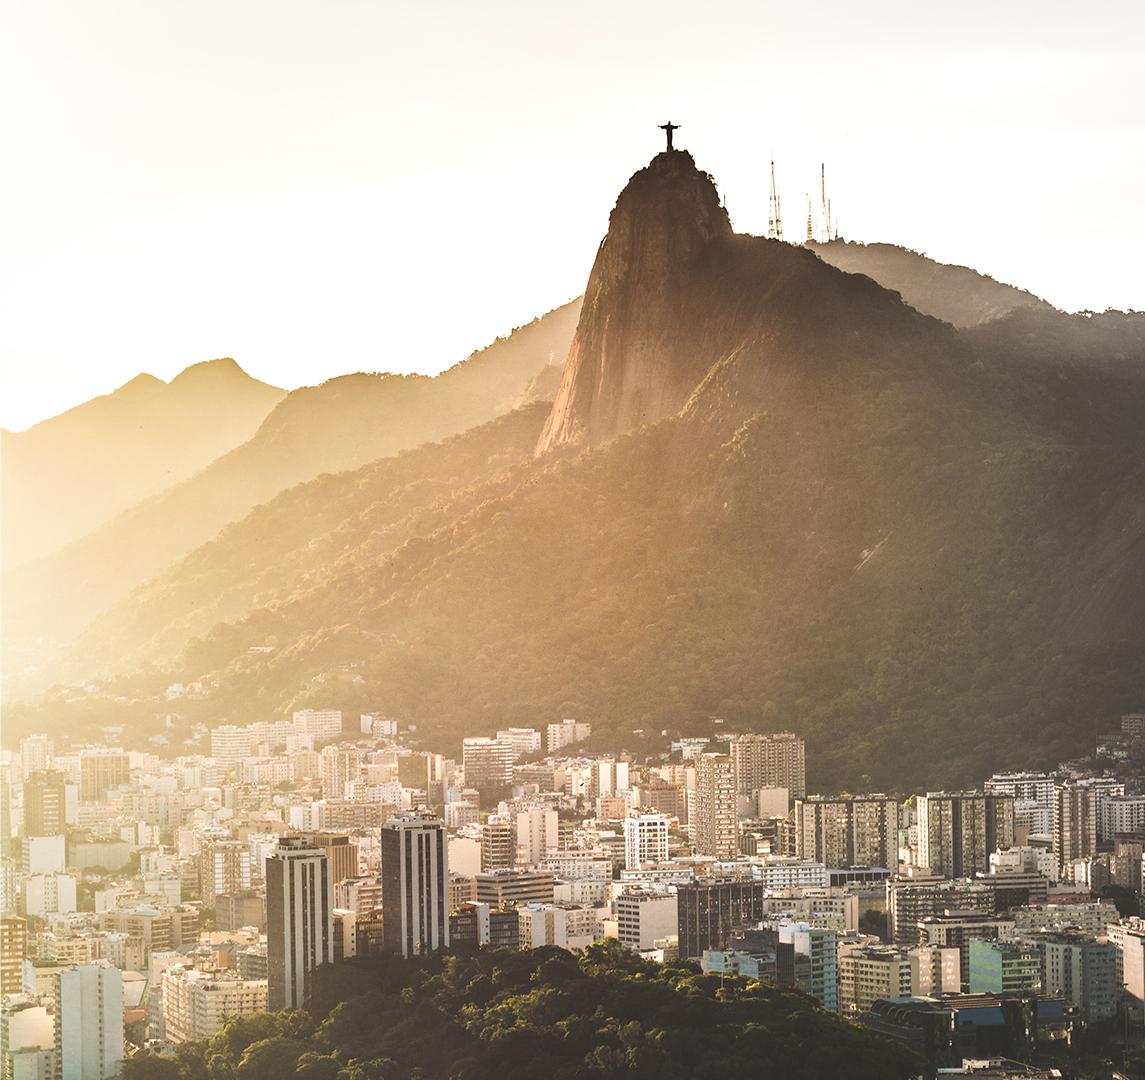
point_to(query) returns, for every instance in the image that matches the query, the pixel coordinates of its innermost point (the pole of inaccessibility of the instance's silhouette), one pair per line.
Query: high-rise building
(101, 770)
(538, 832)
(773, 760)
(958, 831)
(342, 853)
(807, 958)
(1033, 795)
(657, 796)
(715, 820)
(709, 911)
(645, 840)
(337, 767)
(566, 733)
(323, 725)
(89, 1022)
(45, 803)
(498, 844)
(224, 867)
(488, 765)
(848, 830)
(230, 744)
(1082, 970)
(910, 901)
(35, 753)
(415, 881)
(525, 741)
(935, 970)
(300, 932)
(13, 949)
(1075, 824)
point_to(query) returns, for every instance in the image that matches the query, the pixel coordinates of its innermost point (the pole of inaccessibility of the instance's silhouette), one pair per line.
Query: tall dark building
(299, 924)
(44, 803)
(707, 912)
(415, 884)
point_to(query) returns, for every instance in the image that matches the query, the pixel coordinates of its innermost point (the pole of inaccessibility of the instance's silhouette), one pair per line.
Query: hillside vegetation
(508, 1015)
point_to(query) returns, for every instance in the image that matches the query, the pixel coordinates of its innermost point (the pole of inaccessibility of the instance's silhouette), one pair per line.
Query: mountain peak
(665, 219)
(220, 369)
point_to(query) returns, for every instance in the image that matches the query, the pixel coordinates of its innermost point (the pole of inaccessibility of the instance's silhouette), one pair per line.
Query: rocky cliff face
(624, 368)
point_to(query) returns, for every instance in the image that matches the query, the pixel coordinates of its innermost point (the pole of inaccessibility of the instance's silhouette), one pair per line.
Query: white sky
(322, 186)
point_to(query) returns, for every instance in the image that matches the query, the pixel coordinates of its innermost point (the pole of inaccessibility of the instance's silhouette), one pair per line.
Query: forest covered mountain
(955, 294)
(342, 424)
(70, 474)
(917, 546)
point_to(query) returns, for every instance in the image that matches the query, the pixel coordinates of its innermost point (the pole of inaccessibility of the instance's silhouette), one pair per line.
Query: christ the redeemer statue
(668, 128)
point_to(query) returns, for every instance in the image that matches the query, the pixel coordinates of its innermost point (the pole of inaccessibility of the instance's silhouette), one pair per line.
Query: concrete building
(566, 733)
(231, 744)
(1001, 967)
(957, 831)
(870, 973)
(487, 765)
(322, 725)
(773, 760)
(300, 932)
(645, 840)
(415, 883)
(958, 929)
(934, 970)
(1033, 795)
(1082, 970)
(498, 845)
(848, 830)
(538, 832)
(507, 887)
(814, 962)
(526, 742)
(709, 911)
(644, 917)
(224, 867)
(338, 766)
(341, 851)
(88, 1002)
(566, 926)
(714, 818)
(49, 894)
(27, 1039)
(196, 1004)
(45, 803)
(13, 949)
(101, 770)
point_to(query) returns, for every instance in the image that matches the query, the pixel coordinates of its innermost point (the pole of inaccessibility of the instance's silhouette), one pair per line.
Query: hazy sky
(329, 186)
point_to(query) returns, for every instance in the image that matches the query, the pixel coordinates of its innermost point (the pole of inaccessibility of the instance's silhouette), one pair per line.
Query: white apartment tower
(89, 1022)
(645, 840)
(324, 725)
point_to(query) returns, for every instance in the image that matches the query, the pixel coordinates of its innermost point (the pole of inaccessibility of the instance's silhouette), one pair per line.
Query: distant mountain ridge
(72, 473)
(955, 294)
(919, 547)
(341, 424)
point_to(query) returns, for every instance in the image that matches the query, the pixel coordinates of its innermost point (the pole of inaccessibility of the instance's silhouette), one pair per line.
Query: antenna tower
(810, 223)
(825, 208)
(774, 217)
